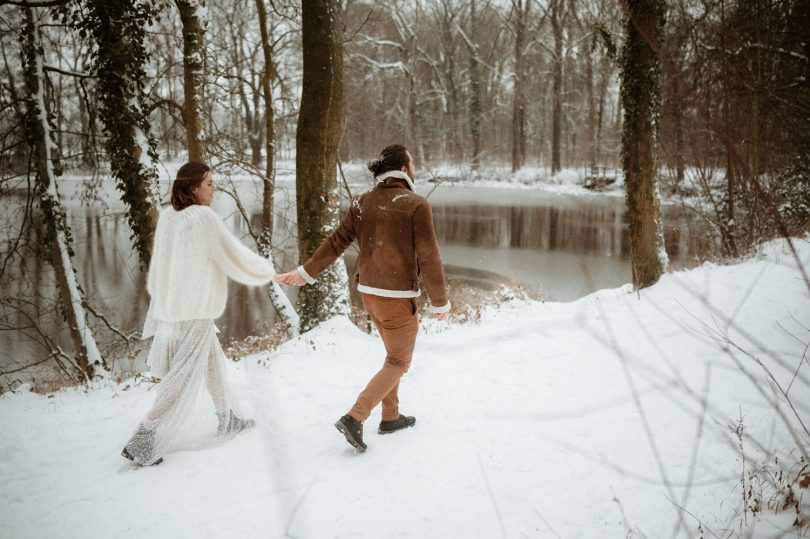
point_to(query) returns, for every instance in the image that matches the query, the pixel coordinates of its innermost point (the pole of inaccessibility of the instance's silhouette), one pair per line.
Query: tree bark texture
(640, 94)
(317, 139)
(193, 20)
(475, 92)
(521, 8)
(556, 120)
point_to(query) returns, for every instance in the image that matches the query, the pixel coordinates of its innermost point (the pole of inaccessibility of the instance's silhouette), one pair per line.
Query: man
(394, 229)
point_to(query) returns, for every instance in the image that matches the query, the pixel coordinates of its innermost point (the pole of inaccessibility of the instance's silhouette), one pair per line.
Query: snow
(541, 420)
(283, 305)
(148, 165)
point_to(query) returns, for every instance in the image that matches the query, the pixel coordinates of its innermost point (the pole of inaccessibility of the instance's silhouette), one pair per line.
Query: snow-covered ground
(568, 181)
(593, 418)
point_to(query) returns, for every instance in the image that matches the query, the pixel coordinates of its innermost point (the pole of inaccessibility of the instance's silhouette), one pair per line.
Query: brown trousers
(398, 323)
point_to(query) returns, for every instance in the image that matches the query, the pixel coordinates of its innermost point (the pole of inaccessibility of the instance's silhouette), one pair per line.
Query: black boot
(393, 425)
(230, 423)
(352, 429)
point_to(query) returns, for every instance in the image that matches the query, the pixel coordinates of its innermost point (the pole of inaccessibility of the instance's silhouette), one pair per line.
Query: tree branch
(33, 4)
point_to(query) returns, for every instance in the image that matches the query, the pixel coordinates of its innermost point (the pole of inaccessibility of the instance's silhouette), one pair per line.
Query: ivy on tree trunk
(640, 97)
(119, 30)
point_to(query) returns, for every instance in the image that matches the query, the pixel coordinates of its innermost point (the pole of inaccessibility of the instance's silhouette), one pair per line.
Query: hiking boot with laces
(393, 425)
(352, 429)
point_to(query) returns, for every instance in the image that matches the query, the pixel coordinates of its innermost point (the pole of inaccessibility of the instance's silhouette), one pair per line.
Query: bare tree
(556, 121)
(88, 358)
(520, 14)
(475, 89)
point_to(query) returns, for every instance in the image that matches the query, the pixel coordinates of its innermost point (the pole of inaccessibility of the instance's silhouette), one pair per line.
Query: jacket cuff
(439, 310)
(303, 273)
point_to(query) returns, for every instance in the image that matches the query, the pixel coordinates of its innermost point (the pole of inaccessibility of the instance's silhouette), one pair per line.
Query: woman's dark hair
(392, 157)
(189, 177)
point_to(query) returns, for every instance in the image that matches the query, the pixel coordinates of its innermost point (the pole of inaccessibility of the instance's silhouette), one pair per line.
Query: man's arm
(331, 248)
(430, 262)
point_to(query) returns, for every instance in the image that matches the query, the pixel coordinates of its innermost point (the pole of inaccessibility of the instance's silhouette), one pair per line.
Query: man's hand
(442, 316)
(291, 278)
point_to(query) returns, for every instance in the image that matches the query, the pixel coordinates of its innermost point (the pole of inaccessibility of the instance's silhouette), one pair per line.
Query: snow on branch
(382, 42)
(380, 65)
(33, 3)
(760, 46)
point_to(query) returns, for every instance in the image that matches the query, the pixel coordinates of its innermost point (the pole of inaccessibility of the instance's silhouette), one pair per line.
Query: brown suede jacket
(393, 227)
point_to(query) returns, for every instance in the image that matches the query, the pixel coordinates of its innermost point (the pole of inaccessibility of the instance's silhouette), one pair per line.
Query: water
(561, 246)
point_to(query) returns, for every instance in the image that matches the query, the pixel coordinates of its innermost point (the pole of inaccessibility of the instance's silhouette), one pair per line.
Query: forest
(568, 147)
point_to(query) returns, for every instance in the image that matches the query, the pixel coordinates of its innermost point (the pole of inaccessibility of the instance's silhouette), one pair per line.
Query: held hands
(291, 278)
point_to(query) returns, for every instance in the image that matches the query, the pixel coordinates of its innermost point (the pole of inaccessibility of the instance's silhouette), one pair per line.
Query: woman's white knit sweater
(192, 258)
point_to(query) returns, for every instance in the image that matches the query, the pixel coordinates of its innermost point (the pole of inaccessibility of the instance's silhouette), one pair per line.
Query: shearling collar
(396, 174)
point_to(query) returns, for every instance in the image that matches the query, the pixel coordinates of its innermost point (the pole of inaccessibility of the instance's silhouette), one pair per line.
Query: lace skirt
(193, 395)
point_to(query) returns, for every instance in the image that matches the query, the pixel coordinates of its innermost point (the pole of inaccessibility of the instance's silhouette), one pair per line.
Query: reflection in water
(587, 230)
(564, 247)
(584, 230)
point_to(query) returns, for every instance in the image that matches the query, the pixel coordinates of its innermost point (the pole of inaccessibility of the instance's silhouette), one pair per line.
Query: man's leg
(398, 318)
(390, 404)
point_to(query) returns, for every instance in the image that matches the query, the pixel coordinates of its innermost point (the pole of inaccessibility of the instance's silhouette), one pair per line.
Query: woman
(192, 258)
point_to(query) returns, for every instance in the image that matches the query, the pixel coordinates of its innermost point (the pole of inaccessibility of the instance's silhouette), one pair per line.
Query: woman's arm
(236, 260)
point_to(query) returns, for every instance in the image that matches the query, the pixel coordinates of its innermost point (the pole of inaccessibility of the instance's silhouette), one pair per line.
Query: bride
(192, 258)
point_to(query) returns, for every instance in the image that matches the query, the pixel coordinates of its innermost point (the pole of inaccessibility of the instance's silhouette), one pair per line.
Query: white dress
(192, 258)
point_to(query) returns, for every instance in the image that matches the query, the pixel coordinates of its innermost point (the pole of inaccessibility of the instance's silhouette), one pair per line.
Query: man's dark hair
(392, 157)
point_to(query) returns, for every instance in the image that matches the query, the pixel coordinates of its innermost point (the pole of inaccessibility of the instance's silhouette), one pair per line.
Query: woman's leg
(215, 379)
(187, 348)
(229, 421)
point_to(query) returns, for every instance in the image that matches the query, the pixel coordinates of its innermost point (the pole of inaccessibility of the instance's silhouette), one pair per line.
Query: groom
(394, 229)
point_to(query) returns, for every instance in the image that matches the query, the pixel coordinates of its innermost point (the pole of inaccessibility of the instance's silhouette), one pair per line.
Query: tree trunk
(605, 76)
(193, 19)
(414, 132)
(556, 121)
(88, 358)
(727, 224)
(678, 118)
(119, 34)
(640, 93)
(455, 152)
(277, 297)
(317, 138)
(591, 128)
(475, 89)
(519, 99)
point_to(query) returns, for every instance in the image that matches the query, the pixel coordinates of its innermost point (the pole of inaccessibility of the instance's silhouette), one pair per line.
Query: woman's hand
(291, 278)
